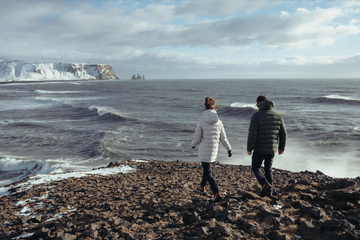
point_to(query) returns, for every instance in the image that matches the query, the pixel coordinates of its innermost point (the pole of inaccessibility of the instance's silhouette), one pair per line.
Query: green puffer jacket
(267, 132)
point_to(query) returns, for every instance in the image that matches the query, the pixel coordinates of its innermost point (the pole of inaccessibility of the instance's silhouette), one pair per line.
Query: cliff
(17, 70)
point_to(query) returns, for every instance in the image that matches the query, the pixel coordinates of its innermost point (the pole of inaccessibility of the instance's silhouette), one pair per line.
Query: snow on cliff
(17, 70)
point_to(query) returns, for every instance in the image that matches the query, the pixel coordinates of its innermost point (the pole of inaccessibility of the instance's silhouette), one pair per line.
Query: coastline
(56, 81)
(160, 200)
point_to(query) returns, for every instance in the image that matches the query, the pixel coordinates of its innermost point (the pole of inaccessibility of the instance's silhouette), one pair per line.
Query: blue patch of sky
(185, 49)
(228, 53)
(276, 9)
(292, 6)
(105, 4)
(342, 47)
(49, 16)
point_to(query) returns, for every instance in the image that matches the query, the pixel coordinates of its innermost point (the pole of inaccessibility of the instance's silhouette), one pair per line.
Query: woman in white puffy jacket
(208, 135)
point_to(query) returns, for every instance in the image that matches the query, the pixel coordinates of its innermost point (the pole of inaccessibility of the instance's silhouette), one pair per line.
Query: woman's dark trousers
(257, 159)
(208, 178)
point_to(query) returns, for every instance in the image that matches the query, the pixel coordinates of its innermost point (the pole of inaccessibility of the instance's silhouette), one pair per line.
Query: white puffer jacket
(209, 133)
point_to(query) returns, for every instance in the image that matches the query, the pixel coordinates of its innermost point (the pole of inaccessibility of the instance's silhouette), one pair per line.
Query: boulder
(223, 230)
(266, 211)
(308, 227)
(287, 220)
(42, 232)
(36, 219)
(339, 184)
(190, 217)
(202, 231)
(348, 236)
(332, 224)
(318, 213)
(231, 215)
(346, 226)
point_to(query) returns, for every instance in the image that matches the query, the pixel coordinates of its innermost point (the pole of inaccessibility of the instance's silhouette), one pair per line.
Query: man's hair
(261, 98)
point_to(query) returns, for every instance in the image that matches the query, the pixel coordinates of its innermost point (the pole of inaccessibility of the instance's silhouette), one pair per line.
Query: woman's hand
(229, 153)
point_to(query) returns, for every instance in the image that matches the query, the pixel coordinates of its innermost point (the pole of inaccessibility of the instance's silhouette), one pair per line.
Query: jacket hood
(210, 116)
(266, 105)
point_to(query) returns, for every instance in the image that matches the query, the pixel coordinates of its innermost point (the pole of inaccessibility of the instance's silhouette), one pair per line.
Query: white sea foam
(14, 169)
(47, 178)
(13, 164)
(140, 160)
(336, 96)
(296, 158)
(23, 104)
(24, 235)
(243, 105)
(102, 110)
(25, 211)
(57, 92)
(65, 100)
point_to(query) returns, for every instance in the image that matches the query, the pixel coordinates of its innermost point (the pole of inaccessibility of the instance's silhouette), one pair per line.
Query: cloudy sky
(189, 39)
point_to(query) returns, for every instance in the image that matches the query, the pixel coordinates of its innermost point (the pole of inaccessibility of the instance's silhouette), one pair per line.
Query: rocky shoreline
(161, 200)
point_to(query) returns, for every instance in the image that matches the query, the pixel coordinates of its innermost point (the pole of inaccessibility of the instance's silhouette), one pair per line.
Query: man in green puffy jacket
(267, 135)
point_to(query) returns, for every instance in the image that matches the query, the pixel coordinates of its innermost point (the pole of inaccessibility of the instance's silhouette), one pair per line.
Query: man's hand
(281, 152)
(249, 153)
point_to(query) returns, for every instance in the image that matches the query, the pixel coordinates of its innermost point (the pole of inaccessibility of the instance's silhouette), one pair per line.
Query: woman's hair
(210, 103)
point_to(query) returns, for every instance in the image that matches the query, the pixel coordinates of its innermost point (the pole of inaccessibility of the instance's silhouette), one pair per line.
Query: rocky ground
(160, 200)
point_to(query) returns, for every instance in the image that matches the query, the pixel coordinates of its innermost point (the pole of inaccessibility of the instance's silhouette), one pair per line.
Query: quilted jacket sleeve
(197, 136)
(282, 136)
(223, 139)
(253, 133)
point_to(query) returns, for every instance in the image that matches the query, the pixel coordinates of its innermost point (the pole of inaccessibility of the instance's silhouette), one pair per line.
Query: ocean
(54, 127)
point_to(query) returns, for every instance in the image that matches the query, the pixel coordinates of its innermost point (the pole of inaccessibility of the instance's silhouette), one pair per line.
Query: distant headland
(19, 70)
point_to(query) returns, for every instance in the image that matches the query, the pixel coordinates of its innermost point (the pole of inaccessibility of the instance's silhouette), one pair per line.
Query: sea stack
(138, 77)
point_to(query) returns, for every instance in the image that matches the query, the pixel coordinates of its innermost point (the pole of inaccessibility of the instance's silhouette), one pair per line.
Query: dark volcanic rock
(42, 232)
(308, 227)
(190, 217)
(160, 200)
(266, 211)
(332, 224)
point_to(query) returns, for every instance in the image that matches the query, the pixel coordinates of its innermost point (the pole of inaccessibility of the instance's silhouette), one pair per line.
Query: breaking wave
(56, 92)
(12, 164)
(335, 98)
(14, 169)
(238, 109)
(243, 105)
(109, 112)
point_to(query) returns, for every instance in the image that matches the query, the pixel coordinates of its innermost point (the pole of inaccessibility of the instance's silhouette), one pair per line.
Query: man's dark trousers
(257, 159)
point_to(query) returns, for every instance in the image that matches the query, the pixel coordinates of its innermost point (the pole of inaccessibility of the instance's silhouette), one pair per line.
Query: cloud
(303, 29)
(223, 7)
(108, 30)
(187, 66)
(164, 65)
(126, 33)
(318, 60)
(153, 59)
